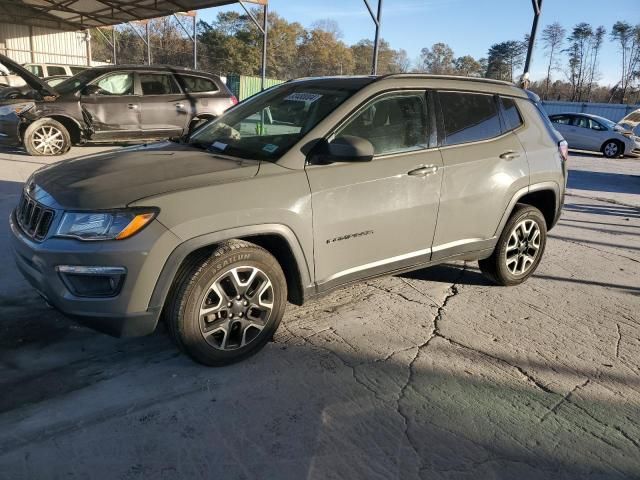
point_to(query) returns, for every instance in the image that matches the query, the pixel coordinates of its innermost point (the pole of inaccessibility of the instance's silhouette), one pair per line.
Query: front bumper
(9, 129)
(126, 314)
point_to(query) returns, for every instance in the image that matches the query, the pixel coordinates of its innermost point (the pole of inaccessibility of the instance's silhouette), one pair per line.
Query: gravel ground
(433, 374)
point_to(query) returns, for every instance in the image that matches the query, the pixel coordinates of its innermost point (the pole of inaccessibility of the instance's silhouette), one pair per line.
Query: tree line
(231, 44)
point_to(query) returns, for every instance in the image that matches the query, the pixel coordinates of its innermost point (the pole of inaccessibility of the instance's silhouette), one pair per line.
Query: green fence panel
(244, 86)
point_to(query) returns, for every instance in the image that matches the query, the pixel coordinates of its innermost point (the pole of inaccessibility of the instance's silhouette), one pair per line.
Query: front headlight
(113, 225)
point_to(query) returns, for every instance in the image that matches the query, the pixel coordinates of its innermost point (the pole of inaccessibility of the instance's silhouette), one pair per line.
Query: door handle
(510, 155)
(423, 171)
(132, 106)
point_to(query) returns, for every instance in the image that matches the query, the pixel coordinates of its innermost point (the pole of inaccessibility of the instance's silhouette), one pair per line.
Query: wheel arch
(73, 127)
(545, 196)
(620, 143)
(278, 240)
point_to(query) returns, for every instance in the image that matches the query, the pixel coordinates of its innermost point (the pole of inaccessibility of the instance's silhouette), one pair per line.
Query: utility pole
(377, 20)
(537, 9)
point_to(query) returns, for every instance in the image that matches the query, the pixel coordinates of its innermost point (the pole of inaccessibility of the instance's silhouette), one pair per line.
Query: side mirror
(349, 148)
(91, 90)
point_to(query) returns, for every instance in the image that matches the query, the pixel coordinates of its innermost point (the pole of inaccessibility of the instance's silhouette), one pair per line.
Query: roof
(83, 14)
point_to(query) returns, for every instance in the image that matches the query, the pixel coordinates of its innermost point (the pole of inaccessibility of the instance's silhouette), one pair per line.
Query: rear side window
(469, 117)
(197, 84)
(53, 70)
(561, 119)
(511, 114)
(158, 84)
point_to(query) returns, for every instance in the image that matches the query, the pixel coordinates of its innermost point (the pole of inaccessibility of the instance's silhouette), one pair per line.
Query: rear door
(112, 108)
(581, 133)
(164, 109)
(372, 217)
(484, 166)
(562, 123)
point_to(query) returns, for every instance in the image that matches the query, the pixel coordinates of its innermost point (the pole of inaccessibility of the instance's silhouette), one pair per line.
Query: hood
(31, 80)
(116, 179)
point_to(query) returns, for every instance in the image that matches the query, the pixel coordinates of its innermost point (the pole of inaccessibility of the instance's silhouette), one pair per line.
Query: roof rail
(446, 77)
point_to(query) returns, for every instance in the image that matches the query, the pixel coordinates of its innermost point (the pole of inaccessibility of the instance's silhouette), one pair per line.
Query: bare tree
(553, 38)
(628, 38)
(596, 44)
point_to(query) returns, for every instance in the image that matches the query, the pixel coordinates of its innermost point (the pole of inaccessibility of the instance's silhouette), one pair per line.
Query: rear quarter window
(512, 117)
(469, 117)
(54, 70)
(193, 84)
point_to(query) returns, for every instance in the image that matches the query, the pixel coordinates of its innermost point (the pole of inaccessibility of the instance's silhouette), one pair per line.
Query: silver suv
(311, 185)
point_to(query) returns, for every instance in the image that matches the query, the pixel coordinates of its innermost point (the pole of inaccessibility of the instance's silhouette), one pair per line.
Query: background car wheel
(519, 249)
(226, 306)
(612, 149)
(46, 137)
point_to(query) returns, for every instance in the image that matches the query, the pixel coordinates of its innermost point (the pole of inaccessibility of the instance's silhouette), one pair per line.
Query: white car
(632, 122)
(591, 132)
(42, 70)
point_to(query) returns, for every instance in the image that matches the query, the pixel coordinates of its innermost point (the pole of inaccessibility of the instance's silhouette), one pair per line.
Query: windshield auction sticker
(219, 145)
(303, 97)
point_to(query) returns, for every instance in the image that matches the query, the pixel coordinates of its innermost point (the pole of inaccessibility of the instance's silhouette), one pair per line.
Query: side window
(581, 122)
(36, 70)
(120, 83)
(197, 84)
(561, 119)
(512, 116)
(469, 117)
(392, 123)
(53, 70)
(158, 84)
(595, 125)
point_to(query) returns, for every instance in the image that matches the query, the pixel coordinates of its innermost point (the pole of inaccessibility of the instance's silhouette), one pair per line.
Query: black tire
(192, 289)
(61, 140)
(612, 149)
(495, 268)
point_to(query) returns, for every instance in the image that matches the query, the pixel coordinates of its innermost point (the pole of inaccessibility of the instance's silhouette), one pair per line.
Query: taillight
(563, 148)
(234, 100)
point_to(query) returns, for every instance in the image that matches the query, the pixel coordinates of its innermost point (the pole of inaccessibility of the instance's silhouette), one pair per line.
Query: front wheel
(227, 306)
(612, 149)
(519, 249)
(46, 137)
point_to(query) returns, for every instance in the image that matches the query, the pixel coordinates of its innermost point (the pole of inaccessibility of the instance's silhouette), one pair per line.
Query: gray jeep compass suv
(313, 184)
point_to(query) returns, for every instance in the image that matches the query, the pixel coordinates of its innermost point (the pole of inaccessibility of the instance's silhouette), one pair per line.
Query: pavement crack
(622, 432)
(398, 294)
(565, 398)
(618, 340)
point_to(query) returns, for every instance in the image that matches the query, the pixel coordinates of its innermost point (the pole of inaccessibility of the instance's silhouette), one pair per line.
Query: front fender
(181, 252)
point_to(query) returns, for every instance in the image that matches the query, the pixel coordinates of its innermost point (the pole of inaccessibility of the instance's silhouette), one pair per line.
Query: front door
(373, 217)
(164, 110)
(111, 107)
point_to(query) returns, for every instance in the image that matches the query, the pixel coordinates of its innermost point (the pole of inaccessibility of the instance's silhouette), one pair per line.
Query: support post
(146, 27)
(195, 40)
(115, 48)
(377, 20)
(264, 47)
(537, 9)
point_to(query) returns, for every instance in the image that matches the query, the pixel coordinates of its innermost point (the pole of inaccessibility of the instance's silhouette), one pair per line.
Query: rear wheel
(46, 137)
(227, 306)
(519, 249)
(612, 149)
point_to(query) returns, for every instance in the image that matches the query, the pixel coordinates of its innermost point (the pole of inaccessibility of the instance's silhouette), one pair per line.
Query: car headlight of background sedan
(112, 225)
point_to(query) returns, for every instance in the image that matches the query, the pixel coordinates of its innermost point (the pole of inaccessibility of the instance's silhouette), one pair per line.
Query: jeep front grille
(34, 219)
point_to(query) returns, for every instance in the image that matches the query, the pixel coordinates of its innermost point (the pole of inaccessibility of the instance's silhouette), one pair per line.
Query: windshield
(76, 82)
(266, 126)
(605, 121)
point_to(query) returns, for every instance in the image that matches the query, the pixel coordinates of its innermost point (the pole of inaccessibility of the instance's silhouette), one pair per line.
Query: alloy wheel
(236, 307)
(523, 247)
(48, 140)
(611, 149)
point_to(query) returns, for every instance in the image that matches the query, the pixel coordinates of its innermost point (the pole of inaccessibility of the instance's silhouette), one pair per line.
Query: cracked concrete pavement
(433, 374)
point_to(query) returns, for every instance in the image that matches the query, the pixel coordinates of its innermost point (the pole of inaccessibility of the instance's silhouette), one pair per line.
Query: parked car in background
(632, 122)
(598, 134)
(108, 103)
(10, 78)
(308, 186)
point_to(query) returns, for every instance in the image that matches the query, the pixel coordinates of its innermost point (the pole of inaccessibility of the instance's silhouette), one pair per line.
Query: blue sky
(468, 26)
